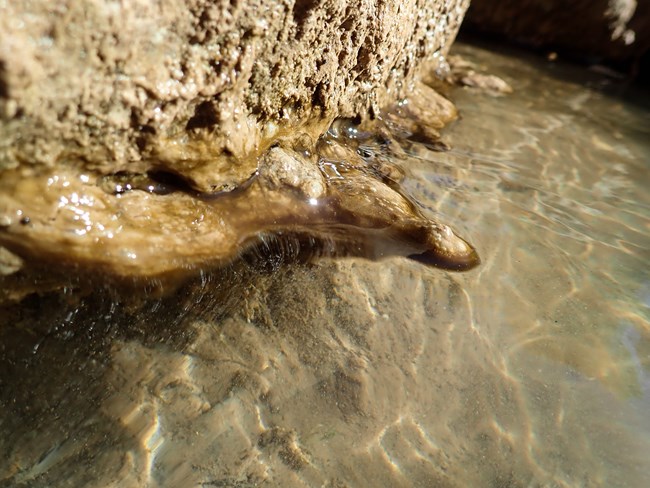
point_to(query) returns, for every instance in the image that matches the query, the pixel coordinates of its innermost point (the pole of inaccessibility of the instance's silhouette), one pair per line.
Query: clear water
(531, 370)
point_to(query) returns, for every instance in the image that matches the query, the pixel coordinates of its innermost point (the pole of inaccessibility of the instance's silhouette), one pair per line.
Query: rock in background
(610, 30)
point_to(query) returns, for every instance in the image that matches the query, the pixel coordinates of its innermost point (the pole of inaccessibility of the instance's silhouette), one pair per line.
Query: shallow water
(531, 370)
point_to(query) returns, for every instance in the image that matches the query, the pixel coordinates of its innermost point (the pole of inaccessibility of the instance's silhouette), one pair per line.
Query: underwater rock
(146, 235)
(465, 73)
(149, 142)
(280, 168)
(339, 200)
(146, 141)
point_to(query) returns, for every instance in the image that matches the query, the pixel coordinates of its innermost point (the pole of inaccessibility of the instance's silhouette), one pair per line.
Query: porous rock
(280, 168)
(199, 88)
(148, 140)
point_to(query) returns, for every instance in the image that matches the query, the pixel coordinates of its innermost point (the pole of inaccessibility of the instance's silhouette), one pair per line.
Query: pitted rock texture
(615, 30)
(200, 88)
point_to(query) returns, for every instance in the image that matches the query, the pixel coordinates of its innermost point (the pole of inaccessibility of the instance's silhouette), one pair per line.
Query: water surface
(531, 370)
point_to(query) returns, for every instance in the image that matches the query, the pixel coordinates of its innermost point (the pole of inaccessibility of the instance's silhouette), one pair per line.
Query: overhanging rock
(152, 138)
(200, 88)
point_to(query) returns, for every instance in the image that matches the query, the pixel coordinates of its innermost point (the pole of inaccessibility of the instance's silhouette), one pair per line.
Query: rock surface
(616, 30)
(200, 88)
(150, 139)
(337, 200)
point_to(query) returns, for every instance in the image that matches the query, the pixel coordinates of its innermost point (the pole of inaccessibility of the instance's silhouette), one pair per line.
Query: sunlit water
(531, 370)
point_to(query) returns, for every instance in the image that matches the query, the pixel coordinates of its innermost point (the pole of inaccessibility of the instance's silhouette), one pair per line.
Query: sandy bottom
(531, 370)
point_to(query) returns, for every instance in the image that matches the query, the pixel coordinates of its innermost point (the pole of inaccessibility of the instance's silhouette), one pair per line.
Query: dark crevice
(319, 97)
(205, 115)
(302, 9)
(168, 181)
(4, 86)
